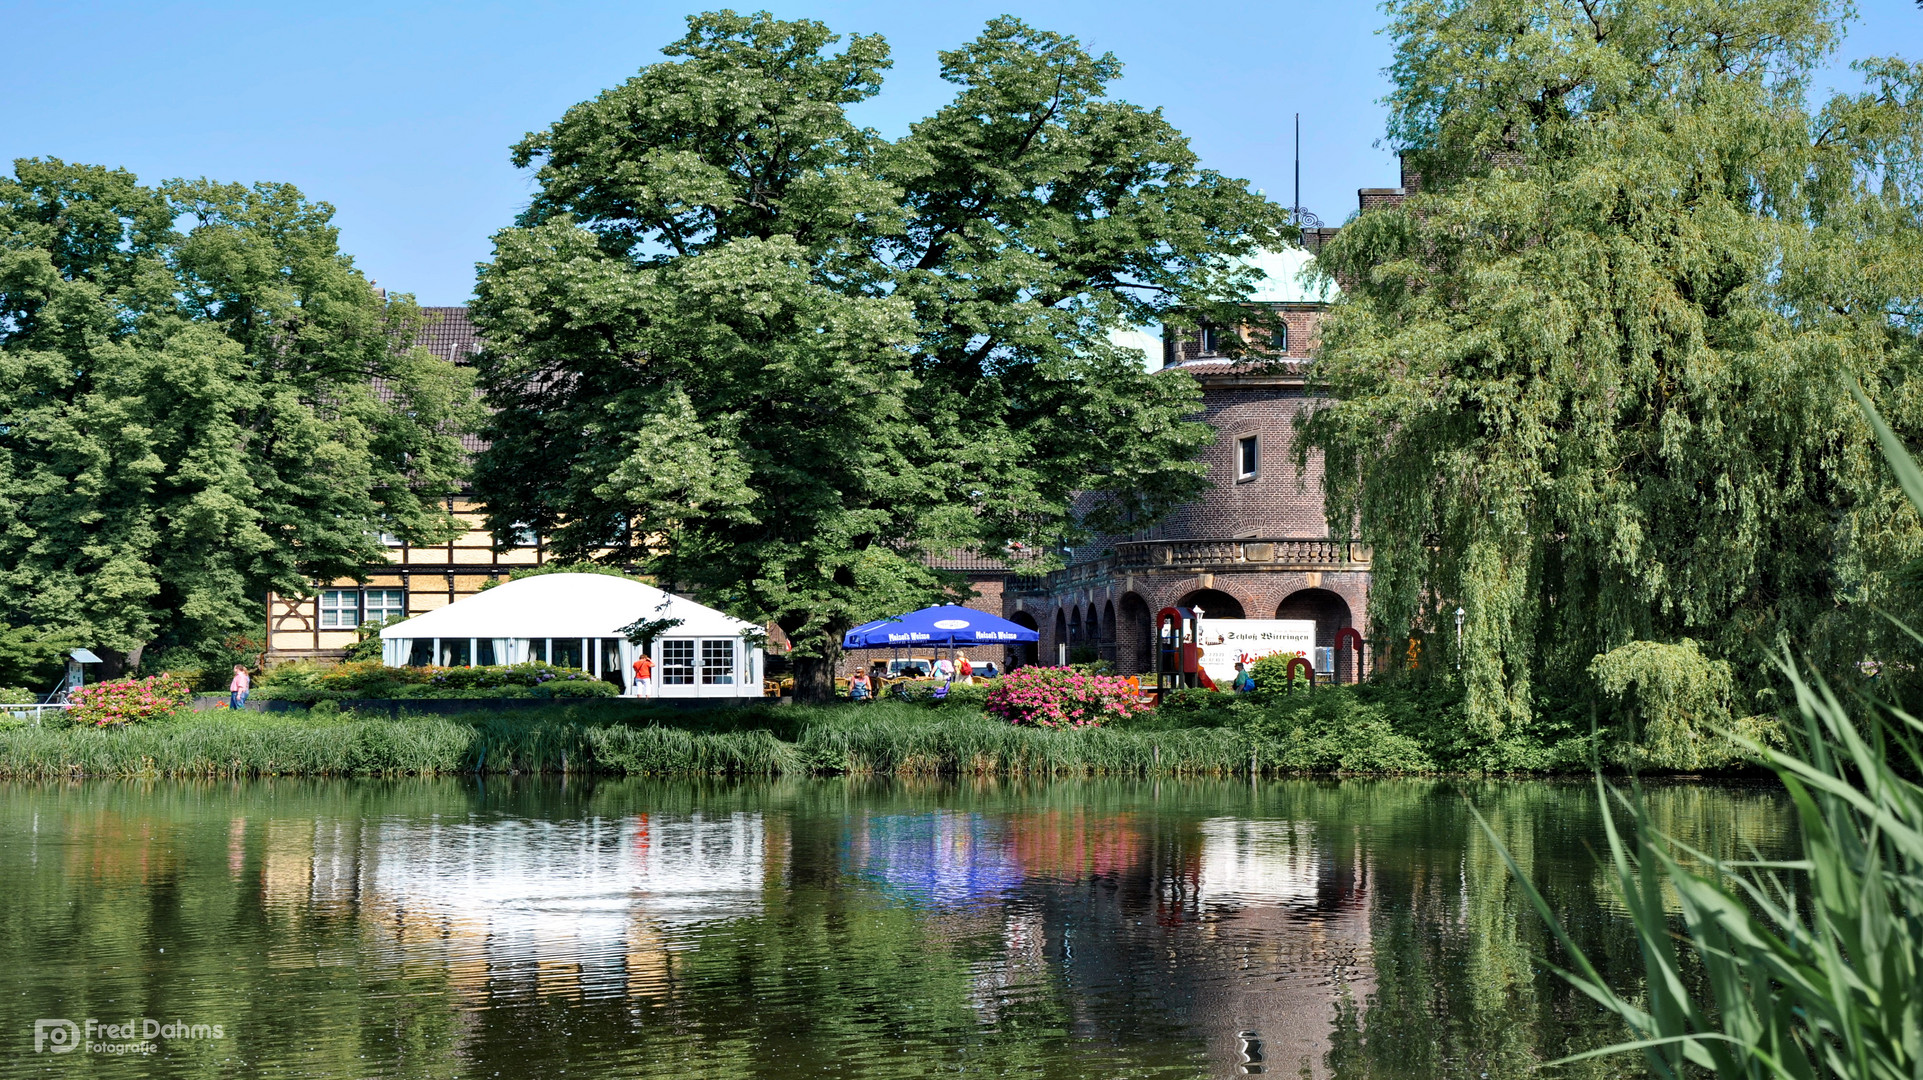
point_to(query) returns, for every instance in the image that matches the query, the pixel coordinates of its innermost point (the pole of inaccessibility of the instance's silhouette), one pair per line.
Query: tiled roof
(963, 559)
(450, 334)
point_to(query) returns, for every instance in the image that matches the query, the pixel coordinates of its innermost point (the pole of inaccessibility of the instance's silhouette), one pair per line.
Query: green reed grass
(882, 738)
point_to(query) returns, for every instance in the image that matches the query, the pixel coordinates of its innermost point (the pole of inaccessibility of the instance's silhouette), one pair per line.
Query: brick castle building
(1256, 546)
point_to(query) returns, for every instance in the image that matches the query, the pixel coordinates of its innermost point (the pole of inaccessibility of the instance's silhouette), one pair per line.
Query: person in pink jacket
(237, 688)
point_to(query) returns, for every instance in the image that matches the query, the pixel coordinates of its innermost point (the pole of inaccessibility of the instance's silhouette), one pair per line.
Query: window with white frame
(379, 605)
(345, 609)
(717, 662)
(340, 609)
(1248, 457)
(677, 662)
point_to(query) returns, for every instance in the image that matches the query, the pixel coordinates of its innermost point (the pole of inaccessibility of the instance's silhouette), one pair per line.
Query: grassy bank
(885, 737)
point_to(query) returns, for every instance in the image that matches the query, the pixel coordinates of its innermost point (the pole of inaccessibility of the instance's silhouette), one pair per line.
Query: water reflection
(828, 927)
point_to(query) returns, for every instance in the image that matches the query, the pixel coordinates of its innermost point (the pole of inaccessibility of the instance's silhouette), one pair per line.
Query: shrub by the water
(15, 695)
(1053, 697)
(310, 683)
(1271, 675)
(129, 701)
(1334, 731)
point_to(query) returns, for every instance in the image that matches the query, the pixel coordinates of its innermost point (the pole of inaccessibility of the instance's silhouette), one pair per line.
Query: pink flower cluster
(129, 701)
(1054, 697)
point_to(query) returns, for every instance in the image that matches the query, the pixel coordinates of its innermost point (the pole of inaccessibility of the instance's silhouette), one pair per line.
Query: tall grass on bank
(885, 737)
(347, 745)
(907, 742)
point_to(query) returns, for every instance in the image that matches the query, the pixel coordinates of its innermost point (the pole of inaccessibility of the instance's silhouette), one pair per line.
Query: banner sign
(1226, 642)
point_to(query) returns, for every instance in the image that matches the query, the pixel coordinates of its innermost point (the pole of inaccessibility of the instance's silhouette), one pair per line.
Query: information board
(1225, 642)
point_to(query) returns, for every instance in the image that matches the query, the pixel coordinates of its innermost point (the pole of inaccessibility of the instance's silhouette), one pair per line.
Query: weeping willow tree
(1590, 382)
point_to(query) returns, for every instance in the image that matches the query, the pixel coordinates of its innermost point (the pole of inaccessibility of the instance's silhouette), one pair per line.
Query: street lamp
(1460, 615)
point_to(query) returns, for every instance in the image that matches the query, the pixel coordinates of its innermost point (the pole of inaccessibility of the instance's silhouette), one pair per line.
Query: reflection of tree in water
(1458, 986)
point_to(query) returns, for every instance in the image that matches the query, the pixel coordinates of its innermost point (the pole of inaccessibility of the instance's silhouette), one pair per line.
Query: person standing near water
(643, 675)
(237, 688)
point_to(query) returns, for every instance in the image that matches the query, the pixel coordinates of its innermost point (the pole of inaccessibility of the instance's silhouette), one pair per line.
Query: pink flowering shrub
(129, 701)
(1055, 697)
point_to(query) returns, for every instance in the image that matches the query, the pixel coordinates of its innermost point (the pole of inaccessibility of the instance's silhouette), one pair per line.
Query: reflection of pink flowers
(1062, 697)
(129, 701)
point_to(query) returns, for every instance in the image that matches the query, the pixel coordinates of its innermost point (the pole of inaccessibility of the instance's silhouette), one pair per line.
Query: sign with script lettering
(1226, 642)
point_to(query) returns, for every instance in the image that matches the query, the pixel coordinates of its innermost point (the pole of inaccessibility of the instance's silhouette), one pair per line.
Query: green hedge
(312, 683)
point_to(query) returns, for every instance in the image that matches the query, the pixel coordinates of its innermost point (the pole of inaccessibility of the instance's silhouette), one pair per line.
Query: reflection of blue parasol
(947, 625)
(940, 859)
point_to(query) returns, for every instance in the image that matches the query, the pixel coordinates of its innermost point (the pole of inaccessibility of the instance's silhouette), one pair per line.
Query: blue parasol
(947, 625)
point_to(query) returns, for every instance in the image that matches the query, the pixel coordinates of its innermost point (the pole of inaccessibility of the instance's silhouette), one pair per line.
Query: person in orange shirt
(643, 675)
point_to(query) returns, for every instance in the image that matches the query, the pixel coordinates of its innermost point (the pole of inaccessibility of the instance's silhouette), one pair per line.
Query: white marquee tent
(574, 620)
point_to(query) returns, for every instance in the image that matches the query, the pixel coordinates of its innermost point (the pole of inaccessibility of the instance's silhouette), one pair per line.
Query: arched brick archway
(1025, 653)
(1061, 637)
(1331, 613)
(1215, 604)
(1108, 641)
(1134, 633)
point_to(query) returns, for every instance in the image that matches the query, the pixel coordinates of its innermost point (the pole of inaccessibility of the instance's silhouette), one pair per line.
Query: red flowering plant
(129, 701)
(1059, 697)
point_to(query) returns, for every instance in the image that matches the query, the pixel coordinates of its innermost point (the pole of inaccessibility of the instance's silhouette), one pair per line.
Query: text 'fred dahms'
(135, 1036)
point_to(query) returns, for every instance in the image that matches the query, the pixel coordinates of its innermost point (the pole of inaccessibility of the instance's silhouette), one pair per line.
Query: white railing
(34, 713)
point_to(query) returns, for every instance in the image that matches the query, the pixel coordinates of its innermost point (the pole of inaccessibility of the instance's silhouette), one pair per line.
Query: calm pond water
(453, 928)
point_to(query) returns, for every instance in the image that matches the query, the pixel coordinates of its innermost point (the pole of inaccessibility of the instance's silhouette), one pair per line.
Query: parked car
(922, 668)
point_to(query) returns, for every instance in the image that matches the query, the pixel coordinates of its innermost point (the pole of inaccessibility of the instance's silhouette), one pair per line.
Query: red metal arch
(1308, 669)
(1188, 655)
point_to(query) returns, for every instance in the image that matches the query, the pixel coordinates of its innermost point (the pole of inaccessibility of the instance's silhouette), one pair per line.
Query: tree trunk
(815, 677)
(116, 665)
(815, 661)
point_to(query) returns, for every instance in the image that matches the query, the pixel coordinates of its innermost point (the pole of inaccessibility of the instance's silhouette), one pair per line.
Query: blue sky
(400, 114)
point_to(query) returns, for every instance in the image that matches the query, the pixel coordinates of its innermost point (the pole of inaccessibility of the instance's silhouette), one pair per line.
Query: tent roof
(565, 605)
(1287, 278)
(940, 625)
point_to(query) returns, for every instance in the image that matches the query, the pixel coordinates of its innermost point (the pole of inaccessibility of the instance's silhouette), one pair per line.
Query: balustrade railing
(1255, 551)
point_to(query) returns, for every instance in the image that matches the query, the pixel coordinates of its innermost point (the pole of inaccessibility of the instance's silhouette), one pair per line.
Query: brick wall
(1333, 599)
(1304, 321)
(1280, 499)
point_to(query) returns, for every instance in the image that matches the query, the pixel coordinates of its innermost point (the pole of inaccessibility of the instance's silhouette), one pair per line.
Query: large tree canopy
(783, 360)
(1590, 384)
(200, 400)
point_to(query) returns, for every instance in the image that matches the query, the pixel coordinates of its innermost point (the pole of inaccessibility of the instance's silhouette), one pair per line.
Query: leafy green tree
(1590, 383)
(33, 657)
(193, 414)
(781, 360)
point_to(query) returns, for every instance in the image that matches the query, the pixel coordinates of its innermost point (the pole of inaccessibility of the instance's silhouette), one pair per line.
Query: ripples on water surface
(812, 928)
